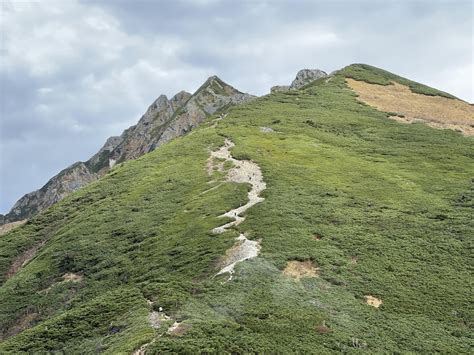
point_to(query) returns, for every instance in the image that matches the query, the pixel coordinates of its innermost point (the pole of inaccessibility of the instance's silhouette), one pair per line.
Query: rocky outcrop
(280, 88)
(164, 120)
(305, 76)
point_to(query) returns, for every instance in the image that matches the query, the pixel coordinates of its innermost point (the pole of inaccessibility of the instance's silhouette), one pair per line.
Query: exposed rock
(97, 161)
(280, 88)
(67, 181)
(305, 76)
(164, 120)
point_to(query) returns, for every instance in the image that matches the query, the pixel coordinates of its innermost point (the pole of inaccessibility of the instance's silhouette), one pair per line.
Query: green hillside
(380, 208)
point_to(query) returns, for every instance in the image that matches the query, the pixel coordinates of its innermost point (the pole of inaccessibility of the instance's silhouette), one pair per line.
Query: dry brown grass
(373, 301)
(300, 269)
(436, 111)
(179, 329)
(322, 329)
(7, 227)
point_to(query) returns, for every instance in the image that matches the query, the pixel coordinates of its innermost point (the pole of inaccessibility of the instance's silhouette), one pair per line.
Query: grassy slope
(397, 197)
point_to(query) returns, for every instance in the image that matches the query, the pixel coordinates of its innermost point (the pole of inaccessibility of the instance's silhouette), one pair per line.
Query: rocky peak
(305, 76)
(180, 98)
(160, 104)
(215, 93)
(164, 120)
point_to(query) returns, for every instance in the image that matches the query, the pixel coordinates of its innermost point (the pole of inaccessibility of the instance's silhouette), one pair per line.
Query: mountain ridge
(139, 139)
(164, 120)
(342, 229)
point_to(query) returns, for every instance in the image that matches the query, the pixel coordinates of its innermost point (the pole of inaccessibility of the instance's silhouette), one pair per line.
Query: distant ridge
(164, 120)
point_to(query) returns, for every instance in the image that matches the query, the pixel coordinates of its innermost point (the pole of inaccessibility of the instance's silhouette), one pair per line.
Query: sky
(74, 72)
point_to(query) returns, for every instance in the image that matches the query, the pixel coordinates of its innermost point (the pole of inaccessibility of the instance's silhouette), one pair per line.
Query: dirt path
(244, 171)
(156, 320)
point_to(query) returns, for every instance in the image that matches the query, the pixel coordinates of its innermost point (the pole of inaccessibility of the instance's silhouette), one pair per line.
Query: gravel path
(244, 171)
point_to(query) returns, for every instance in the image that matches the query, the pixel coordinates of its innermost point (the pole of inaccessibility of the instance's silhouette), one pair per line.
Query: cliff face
(164, 120)
(303, 77)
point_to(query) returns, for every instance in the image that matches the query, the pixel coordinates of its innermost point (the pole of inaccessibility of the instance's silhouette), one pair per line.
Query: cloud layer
(75, 72)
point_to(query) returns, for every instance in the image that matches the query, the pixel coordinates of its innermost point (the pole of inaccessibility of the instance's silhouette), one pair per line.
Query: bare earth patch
(435, 111)
(23, 259)
(299, 269)
(244, 249)
(155, 319)
(373, 301)
(21, 324)
(7, 227)
(72, 277)
(178, 329)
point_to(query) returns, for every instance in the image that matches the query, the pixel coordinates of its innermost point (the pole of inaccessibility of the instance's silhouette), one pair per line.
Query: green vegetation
(382, 208)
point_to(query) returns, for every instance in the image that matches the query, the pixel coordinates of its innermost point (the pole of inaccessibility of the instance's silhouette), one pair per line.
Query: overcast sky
(76, 72)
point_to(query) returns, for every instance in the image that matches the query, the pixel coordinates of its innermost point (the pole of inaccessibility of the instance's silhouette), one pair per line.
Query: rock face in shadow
(164, 120)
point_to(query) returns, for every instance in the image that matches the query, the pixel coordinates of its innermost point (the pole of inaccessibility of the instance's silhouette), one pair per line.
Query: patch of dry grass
(373, 301)
(436, 111)
(72, 277)
(179, 329)
(7, 227)
(299, 269)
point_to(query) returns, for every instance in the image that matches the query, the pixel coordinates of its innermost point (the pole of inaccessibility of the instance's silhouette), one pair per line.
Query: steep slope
(164, 120)
(364, 230)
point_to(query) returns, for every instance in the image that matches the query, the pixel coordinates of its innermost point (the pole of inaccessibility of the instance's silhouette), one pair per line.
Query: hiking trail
(243, 171)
